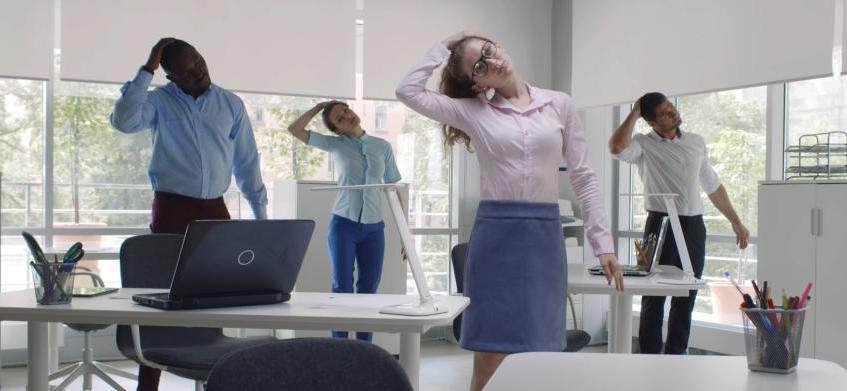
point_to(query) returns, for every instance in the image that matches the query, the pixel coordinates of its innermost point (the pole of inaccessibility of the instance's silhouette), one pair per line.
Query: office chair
(575, 339)
(309, 364)
(88, 367)
(148, 261)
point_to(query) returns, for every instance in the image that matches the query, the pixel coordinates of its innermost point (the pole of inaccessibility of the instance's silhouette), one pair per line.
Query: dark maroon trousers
(171, 215)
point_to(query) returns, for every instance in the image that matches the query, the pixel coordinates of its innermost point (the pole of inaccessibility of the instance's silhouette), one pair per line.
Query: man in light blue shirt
(201, 132)
(201, 137)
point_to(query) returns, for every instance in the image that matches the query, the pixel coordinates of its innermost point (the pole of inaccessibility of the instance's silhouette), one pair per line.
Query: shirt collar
(180, 93)
(656, 136)
(365, 136)
(538, 98)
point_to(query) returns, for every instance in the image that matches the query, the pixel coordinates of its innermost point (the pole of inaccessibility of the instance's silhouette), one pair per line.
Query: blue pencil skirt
(516, 279)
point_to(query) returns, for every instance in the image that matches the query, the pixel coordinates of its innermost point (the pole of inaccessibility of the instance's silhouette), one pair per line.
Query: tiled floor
(444, 367)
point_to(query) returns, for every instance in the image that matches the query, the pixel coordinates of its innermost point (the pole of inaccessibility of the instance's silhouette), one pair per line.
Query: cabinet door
(830, 291)
(786, 256)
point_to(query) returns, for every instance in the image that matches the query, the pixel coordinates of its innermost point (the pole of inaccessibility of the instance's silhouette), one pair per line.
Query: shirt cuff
(603, 245)
(143, 77)
(439, 51)
(260, 211)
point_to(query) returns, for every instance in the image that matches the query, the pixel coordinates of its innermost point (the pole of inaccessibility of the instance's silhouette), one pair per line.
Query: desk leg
(621, 335)
(410, 357)
(54, 332)
(37, 356)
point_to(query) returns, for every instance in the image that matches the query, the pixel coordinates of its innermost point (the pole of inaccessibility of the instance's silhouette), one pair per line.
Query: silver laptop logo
(246, 257)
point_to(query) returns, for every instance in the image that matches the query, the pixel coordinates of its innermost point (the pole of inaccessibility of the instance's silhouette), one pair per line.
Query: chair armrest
(573, 310)
(96, 280)
(139, 354)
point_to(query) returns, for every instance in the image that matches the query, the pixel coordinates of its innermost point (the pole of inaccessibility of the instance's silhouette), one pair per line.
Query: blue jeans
(349, 241)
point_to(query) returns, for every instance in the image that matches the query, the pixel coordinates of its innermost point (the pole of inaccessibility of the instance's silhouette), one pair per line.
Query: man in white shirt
(669, 161)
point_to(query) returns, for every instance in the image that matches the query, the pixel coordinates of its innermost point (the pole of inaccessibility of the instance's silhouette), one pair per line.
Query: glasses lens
(488, 50)
(480, 68)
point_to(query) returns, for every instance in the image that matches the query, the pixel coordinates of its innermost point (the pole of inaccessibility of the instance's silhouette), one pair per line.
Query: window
(380, 118)
(21, 153)
(283, 156)
(100, 174)
(732, 124)
(21, 165)
(813, 107)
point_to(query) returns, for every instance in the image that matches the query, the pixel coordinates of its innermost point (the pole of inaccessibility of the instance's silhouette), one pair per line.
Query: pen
(748, 301)
(758, 293)
(802, 302)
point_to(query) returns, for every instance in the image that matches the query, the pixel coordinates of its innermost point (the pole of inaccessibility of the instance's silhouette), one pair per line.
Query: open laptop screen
(232, 257)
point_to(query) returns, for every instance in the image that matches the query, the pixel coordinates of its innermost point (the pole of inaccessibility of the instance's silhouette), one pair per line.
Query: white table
(305, 310)
(647, 372)
(620, 303)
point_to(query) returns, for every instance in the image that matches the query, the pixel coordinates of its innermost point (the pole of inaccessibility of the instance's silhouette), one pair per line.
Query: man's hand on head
(156, 53)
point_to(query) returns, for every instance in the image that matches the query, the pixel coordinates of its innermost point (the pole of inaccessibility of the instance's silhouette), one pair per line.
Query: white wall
(623, 49)
(562, 45)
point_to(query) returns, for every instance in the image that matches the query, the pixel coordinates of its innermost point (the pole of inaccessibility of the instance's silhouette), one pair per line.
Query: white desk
(305, 310)
(648, 372)
(620, 303)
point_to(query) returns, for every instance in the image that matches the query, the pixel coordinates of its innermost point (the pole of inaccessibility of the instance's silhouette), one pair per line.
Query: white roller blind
(26, 30)
(397, 33)
(623, 49)
(286, 47)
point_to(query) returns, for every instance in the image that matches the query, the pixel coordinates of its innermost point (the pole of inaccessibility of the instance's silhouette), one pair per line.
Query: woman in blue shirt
(356, 231)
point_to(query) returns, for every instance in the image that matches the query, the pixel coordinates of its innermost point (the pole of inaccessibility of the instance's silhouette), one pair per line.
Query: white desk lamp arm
(679, 236)
(408, 244)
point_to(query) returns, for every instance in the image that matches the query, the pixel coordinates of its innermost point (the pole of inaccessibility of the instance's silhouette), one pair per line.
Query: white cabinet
(802, 239)
(297, 200)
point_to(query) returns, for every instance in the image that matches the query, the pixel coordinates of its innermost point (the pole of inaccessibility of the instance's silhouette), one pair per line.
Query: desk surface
(305, 310)
(637, 372)
(580, 281)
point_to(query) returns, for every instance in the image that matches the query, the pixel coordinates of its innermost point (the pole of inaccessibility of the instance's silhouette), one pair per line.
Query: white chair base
(89, 368)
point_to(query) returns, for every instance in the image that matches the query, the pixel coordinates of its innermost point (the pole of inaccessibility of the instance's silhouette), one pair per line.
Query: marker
(803, 298)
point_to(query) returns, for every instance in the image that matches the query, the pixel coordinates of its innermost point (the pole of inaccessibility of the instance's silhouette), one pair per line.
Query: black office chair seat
(83, 327)
(576, 340)
(201, 356)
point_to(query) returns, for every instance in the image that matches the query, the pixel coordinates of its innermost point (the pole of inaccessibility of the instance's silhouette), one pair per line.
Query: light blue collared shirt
(198, 145)
(365, 160)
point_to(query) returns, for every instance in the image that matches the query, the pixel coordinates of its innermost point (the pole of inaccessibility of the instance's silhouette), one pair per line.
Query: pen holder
(772, 338)
(54, 282)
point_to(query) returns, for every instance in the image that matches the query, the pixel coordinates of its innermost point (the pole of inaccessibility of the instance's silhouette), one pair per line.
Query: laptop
(224, 263)
(655, 254)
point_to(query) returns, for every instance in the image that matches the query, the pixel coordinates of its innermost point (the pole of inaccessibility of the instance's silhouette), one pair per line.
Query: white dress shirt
(676, 165)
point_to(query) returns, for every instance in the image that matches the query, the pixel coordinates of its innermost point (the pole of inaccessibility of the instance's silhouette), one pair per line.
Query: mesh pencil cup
(54, 282)
(772, 338)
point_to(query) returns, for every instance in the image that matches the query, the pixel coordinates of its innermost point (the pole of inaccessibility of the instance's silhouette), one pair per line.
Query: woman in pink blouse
(515, 275)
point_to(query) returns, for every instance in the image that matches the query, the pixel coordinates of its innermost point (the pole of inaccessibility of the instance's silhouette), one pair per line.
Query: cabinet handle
(812, 217)
(820, 221)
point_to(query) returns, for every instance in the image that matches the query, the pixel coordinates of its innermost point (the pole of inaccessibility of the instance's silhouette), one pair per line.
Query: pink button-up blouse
(519, 150)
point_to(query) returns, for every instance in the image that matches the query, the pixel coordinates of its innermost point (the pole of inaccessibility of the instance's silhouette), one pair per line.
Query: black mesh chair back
(309, 364)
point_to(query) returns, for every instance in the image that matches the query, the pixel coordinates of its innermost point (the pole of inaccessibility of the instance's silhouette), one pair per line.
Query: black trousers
(653, 307)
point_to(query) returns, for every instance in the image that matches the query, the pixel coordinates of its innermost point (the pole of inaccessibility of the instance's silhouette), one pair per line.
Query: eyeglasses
(480, 68)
